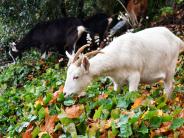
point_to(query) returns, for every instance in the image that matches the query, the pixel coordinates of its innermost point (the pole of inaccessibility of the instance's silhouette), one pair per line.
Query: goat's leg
(168, 85)
(44, 51)
(133, 81)
(117, 86)
(44, 55)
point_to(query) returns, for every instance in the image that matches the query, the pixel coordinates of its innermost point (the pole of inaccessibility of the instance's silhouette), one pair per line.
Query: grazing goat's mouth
(71, 94)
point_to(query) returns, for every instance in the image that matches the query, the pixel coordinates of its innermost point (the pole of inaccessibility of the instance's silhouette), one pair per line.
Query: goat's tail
(81, 29)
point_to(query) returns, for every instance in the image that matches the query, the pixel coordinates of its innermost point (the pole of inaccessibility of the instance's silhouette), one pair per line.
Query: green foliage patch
(31, 99)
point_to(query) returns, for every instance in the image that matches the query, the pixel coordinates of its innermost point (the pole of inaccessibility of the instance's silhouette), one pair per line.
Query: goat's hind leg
(168, 86)
(117, 86)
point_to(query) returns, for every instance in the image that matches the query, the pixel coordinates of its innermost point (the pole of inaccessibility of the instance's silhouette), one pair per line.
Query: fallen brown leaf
(56, 95)
(75, 111)
(137, 102)
(49, 122)
(104, 134)
(103, 96)
(39, 101)
(27, 133)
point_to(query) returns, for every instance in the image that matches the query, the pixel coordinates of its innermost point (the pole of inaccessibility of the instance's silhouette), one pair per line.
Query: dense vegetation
(32, 104)
(31, 99)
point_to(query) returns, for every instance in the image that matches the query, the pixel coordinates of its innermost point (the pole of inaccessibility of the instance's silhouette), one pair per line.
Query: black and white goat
(63, 34)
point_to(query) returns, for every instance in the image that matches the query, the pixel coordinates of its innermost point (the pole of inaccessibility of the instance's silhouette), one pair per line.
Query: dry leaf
(152, 134)
(137, 102)
(181, 130)
(75, 111)
(39, 101)
(181, 114)
(111, 135)
(56, 95)
(160, 113)
(104, 134)
(103, 96)
(49, 122)
(105, 124)
(165, 127)
(27, 133)
(111, 88)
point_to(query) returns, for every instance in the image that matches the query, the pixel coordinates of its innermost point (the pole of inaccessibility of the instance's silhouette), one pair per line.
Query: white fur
(44, 55)
(13, 47)
(110, 20)
(80, 30)
(146, 56)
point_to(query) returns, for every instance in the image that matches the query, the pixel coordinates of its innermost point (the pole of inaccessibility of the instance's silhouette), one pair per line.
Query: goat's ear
(68, 55)
(85, 63)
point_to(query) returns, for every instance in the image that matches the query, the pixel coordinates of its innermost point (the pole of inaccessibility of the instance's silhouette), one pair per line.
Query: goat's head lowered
(78, 73)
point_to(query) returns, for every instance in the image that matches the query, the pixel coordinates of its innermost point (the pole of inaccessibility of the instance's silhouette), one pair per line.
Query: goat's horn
(80, 51)
(92, 53)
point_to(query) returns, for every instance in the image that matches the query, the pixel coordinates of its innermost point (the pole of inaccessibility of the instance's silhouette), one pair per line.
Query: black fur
(61, 34)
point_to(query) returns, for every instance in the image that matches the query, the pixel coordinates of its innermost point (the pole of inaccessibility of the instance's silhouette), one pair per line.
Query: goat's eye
(75, 78)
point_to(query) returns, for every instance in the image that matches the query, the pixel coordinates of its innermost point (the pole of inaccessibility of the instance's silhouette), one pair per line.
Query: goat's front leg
(44, 51)
(134, 80)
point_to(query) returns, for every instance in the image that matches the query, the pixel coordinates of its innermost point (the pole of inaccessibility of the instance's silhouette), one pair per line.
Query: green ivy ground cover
(32, 105)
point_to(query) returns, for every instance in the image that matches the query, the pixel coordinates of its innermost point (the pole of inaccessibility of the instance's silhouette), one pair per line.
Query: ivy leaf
(72, 130)
(177, 122)
(69, 102)
(47, 98)
(98, 113)
(41, 113)
(22, 126)
(135, 117)
(155, 122)
(167, 118)
(123, 120)
(64, 120)
(114, 129)
(143, 129)
(35, 132)
(125, 130)
(122, 103)
(149, 114)
(44, 135)
(115, 113)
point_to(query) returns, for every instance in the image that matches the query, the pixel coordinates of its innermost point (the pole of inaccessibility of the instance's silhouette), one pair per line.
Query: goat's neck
(100, 66)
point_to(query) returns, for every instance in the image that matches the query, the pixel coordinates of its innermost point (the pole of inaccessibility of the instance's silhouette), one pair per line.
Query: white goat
(146, 56)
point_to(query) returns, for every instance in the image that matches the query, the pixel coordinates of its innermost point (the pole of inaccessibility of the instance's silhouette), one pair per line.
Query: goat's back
(153, 48)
